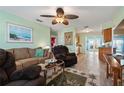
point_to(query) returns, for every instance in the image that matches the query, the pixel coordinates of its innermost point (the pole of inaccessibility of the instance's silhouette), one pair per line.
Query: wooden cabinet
(107, 34)
(105, 50)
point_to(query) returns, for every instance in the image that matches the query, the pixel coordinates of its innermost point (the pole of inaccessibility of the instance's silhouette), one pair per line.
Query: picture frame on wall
(19, 33)
(68, 38)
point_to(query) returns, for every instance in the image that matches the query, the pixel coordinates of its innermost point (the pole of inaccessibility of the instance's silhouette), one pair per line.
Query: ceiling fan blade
(54, 22)
(47, 15)
(71, 16)
(65, 22)
(39, 20)
(60, 12)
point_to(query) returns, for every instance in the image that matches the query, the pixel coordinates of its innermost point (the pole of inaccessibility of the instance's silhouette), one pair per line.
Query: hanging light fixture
(59, 19)
(87, 29)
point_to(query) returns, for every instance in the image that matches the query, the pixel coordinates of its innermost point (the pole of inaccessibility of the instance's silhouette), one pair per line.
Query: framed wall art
(68, 38)
(18, 33)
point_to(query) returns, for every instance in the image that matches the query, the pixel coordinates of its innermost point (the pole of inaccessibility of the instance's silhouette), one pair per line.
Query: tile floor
(90, 63)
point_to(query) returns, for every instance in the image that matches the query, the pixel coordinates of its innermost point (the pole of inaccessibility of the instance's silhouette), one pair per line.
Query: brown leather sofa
(10, 76)
(26, 57)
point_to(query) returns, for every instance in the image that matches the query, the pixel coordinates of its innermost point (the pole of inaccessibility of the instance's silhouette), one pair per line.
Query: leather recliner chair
(9, 76)
(61, 52)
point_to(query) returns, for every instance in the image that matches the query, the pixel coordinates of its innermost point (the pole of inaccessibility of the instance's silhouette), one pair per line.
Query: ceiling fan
(60, 17)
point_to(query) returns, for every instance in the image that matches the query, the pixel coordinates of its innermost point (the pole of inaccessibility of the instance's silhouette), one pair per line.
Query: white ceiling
(92, 16)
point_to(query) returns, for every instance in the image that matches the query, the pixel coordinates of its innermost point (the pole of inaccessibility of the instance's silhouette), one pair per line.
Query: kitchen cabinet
(107, 35)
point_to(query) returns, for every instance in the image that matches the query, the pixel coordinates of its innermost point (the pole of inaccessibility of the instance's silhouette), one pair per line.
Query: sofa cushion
(9, 66)
(32, 72)
(19, 65)
(3, 77)
(28, 73)
(31, 52)
(28, 62)
(21, 53)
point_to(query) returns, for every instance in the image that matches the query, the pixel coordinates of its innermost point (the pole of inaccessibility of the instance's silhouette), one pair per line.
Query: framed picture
(17, 33)
(68, 36)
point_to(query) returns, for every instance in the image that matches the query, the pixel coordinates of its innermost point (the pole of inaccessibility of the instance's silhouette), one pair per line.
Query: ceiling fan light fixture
(59, 20)
(61, 17)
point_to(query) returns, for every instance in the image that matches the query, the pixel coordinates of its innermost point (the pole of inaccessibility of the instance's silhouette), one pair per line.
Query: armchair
(9, 76)
(61, 52)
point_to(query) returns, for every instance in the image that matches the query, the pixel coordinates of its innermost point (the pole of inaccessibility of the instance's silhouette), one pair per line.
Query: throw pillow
(28, 73)
(39, 53)
(32, 72)
(16, 75)
(31, 52)
(45, 52)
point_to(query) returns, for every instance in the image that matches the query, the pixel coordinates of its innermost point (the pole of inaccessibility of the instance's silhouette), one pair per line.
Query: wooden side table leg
(107, 71)
(115, 77)
(120, 73)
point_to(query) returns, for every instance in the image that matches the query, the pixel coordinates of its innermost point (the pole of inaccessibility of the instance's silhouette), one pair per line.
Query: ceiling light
(87, 29)
(59, 19)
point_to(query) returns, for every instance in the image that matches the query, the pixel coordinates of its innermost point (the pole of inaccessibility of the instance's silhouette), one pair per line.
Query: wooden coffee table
(52, 69)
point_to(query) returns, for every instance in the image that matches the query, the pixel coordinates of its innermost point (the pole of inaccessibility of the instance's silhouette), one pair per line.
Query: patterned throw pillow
(39, 53)
(45, 52)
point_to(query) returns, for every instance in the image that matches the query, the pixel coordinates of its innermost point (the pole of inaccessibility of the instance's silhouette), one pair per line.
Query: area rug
(73, 77)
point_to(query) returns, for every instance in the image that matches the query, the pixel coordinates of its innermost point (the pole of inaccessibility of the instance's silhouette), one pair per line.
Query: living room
(35, 41)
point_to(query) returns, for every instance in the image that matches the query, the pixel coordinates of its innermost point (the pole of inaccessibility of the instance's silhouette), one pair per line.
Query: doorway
(93, 43)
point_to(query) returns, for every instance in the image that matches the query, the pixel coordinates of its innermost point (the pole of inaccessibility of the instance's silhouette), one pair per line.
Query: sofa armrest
(60, 56)
(71, 54)
(28, 73)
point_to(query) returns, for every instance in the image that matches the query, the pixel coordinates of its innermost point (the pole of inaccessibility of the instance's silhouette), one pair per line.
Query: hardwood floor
(89, 63)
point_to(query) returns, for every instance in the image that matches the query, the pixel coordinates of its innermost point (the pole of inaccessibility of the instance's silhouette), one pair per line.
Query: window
(119, 44)
(93, 43)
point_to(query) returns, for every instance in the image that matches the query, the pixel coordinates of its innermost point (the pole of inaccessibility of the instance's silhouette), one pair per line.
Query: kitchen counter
(105, 50)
